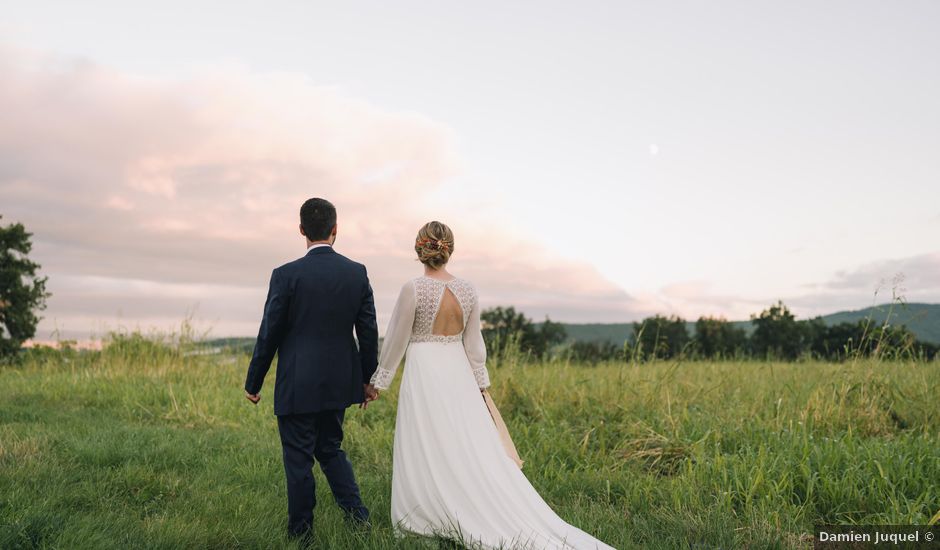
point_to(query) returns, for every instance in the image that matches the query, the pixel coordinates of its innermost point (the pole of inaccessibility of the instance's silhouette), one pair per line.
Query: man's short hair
(317, 217)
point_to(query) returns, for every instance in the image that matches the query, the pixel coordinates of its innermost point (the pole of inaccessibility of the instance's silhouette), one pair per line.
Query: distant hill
(922, 319)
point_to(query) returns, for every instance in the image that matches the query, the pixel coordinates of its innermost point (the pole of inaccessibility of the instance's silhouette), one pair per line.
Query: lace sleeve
(396, 338)
(475, 346)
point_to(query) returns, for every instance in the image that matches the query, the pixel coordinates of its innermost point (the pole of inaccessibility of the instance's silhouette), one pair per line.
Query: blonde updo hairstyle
(434, 244)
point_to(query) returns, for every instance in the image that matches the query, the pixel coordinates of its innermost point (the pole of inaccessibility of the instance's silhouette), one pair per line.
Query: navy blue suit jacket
(312, 307)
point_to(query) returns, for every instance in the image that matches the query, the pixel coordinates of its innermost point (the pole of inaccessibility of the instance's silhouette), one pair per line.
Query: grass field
(145, 446)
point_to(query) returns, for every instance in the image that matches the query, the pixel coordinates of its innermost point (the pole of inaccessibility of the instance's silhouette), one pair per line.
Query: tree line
(776, 334)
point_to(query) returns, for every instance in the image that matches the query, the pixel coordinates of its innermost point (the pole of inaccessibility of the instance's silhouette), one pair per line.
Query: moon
(654, 149)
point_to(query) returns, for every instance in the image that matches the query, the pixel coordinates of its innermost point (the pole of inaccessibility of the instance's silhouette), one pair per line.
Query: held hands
(371, 395)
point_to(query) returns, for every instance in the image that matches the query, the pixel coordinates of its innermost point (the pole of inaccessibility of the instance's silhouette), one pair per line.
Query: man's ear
(302, 230)
(333, 232)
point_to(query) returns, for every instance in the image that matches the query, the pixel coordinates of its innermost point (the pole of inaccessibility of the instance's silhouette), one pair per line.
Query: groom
(312, 307)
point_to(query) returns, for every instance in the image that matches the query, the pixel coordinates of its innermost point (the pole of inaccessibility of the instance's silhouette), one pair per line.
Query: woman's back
(441, 308)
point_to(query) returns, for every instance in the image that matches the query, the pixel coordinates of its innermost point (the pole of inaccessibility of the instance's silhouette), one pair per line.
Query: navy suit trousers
(309, 436)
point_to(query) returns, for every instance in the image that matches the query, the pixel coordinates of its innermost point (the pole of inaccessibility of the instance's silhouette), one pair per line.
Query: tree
(818, 339)
(504, 325)
(660, 337)
(595, 351)
(550, 335)
(888, 341)
(926, 350)
(717, 338)
(22, 293)
(843, 340)
(777, 333)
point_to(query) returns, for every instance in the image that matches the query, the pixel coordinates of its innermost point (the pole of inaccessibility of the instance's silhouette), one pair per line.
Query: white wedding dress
(451, 475)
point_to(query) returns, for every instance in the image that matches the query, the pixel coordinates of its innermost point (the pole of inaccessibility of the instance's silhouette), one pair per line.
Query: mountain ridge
(920, 318)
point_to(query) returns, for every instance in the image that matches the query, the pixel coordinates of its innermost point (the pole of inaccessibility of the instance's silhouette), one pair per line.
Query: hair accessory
(439, 245)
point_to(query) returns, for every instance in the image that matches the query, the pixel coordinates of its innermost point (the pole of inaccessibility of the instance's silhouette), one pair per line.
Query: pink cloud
(179, 192)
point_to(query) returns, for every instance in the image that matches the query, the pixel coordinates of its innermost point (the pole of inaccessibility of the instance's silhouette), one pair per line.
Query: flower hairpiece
(435, 243)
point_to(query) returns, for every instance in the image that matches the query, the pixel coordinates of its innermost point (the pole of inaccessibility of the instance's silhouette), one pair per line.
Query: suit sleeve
(396, 338)
(367, 330)
(273, 324)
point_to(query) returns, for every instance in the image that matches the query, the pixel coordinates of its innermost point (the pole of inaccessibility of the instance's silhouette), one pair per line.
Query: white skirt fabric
(451, 475)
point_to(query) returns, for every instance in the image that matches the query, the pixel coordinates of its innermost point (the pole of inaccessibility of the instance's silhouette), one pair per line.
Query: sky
(598, 161)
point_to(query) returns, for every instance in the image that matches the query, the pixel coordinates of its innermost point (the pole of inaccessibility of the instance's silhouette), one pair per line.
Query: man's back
(313, 304)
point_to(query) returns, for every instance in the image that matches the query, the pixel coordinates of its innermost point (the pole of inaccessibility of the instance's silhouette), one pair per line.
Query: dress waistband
(439, 338)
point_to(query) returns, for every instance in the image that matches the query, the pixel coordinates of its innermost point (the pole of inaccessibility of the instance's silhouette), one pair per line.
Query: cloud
(148, 197)
(151, 199)
(693, 299)
(914, 278)
(920, 273)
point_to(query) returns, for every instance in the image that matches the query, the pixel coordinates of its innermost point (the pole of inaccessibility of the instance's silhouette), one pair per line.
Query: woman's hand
(371, 394)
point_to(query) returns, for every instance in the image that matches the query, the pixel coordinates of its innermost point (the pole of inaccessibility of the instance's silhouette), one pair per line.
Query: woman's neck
(440, 273)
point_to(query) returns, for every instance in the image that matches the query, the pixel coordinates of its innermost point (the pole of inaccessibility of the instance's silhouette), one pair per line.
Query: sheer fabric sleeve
(475, 346)
(396, 338)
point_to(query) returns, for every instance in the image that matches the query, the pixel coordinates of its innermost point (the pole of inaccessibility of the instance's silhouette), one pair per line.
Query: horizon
(598, 163)
(89, 341)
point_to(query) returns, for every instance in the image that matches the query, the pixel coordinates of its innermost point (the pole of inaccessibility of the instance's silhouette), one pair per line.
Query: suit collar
(326, 249)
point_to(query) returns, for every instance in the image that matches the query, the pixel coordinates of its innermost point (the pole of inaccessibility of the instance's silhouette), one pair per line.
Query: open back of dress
(432, 310)
(442, 309)
(449, 318)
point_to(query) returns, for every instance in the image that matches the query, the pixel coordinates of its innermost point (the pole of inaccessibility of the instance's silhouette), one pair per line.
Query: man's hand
(371, 395)
(253, 397)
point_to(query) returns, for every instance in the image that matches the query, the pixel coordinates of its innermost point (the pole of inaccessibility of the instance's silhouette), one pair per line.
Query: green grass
(143, 446)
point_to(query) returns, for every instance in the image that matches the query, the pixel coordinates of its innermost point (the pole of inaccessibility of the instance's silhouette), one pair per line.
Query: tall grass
(147, 444)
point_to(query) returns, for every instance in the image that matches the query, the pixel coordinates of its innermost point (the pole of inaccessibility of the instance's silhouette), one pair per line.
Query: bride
(452, 475)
